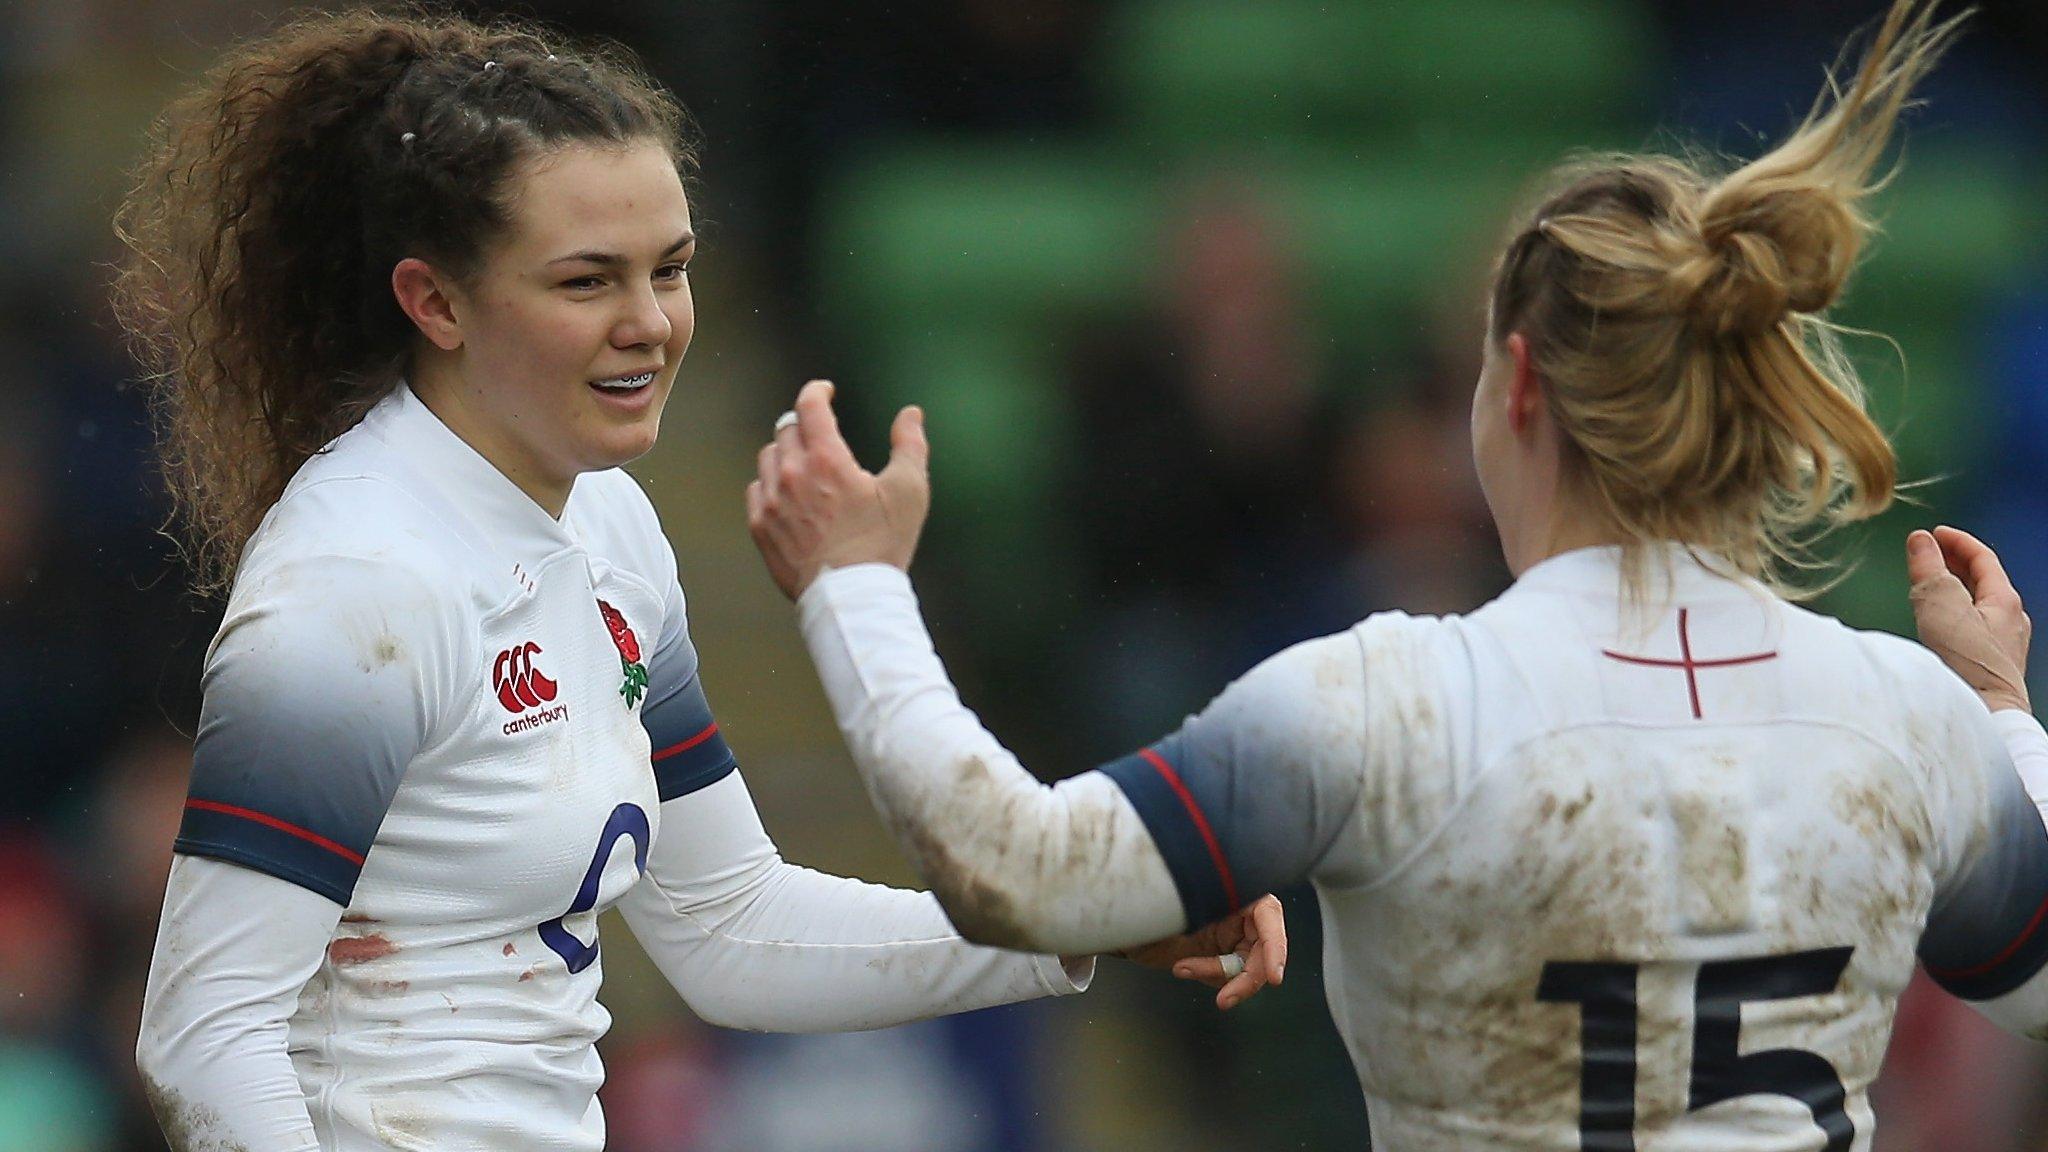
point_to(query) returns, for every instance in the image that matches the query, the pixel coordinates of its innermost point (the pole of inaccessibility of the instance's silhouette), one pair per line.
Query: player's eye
(672, 271)
(583, 283)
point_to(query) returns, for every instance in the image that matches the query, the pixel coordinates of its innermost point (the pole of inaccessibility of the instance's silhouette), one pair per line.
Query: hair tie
(407, 139)
(551, 57)
(490, 64)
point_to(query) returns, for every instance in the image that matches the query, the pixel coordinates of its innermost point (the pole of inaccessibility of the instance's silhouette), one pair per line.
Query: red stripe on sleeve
(686, 745)
(313, 838)
(2025, 935)
(1187, 800)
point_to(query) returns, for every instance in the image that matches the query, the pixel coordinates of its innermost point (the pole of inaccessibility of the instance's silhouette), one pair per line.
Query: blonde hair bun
(1675, 317)
(1761, 259)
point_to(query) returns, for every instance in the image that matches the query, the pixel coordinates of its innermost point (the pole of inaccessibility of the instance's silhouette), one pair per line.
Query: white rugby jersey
(468, 724)
(1590, 878)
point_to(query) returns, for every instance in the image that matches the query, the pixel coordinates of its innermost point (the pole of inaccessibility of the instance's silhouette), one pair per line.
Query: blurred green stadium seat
(1383, 242)
(1960, 226)
(993, 404)
(939, 231)
(1203, 73)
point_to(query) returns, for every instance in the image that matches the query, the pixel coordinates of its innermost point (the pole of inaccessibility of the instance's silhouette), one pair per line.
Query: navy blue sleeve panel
(682, 735)
(1985, 933)
(1201, 872)
(317, 695)
(1249, 796)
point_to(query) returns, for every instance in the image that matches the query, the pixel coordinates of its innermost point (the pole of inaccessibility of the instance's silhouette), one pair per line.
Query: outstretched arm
(1181, 833)
(754, 942)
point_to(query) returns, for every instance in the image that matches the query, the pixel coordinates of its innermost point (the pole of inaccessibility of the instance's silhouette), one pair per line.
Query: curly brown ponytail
(1677, 321)
(275, 199)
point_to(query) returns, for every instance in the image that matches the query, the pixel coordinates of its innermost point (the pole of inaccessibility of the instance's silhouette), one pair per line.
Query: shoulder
(617, 521)
(1908, 677)
(362, 528)
(352, 563)
(1386, 663)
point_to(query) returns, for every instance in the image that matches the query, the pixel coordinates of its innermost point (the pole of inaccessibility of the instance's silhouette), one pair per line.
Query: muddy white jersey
(1602, 878)
(436, 705)
(1593, 876)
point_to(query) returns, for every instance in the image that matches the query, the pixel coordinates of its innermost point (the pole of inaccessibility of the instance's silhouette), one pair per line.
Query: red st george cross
(1685, 661)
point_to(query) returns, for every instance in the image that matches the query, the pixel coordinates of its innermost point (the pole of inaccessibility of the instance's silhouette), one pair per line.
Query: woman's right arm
(1969, 614)
(319, 690)
(232, 951)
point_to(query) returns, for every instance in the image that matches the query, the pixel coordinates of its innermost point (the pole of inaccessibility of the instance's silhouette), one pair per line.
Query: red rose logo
(622, 633)
(629, 653)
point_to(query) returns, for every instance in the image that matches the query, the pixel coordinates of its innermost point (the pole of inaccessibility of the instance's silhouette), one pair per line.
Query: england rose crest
(629, 653)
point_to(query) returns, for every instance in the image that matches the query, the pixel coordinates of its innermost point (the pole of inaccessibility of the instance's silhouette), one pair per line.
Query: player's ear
(426, 297)
(1525, 387)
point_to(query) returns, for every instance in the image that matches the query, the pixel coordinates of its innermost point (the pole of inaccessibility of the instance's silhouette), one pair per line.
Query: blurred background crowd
(1191, 290)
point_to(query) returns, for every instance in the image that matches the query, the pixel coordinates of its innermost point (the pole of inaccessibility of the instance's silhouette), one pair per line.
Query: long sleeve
(1248, 796)
(233, 950)
(1985, 941)
(753, 942)
(2027, 744)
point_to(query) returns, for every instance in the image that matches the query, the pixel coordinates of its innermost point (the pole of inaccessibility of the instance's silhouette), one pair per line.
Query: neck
(1564, 525)
(437, 379)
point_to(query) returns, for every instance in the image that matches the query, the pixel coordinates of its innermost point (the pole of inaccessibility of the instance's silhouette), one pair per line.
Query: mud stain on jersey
(1566, 812)
(510, 950)
(382, 651)
(187, 1126)
(1713, 858)
(403, 1129)
(1868, 807)
(999, 903)
(1564, 873)
(345, 951)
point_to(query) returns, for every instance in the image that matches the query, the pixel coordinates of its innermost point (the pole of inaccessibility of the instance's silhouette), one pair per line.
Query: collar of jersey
(522, 528)
(1694, 573)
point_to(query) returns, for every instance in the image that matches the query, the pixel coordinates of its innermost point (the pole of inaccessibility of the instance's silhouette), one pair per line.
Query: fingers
(1269, 928)
(1260, 959)
(1978, 566)
(757, 507)
(818, 426)
(1924, 558)
(768, 472)
(908, 448)
(789, 440)
(1203, 970)
(1242, 986)
(1235, 983)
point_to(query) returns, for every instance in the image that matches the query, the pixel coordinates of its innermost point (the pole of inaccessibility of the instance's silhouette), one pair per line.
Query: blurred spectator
(49, 1097)
(1197, 486)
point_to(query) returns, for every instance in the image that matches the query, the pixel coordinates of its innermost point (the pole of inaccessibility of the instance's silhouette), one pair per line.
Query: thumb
(1924, 561)
(908, 450)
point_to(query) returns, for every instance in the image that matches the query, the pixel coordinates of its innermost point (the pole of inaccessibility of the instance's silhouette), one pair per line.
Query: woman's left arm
(754, 942)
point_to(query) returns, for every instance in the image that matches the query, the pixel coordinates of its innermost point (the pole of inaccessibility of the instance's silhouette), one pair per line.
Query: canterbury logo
(520, 685)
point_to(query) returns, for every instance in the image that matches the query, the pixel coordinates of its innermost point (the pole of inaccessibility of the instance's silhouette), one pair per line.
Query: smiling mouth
(624, 383)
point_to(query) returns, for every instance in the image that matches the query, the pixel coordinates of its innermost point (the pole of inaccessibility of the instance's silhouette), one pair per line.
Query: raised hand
(1969, 614)
(814, 506)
